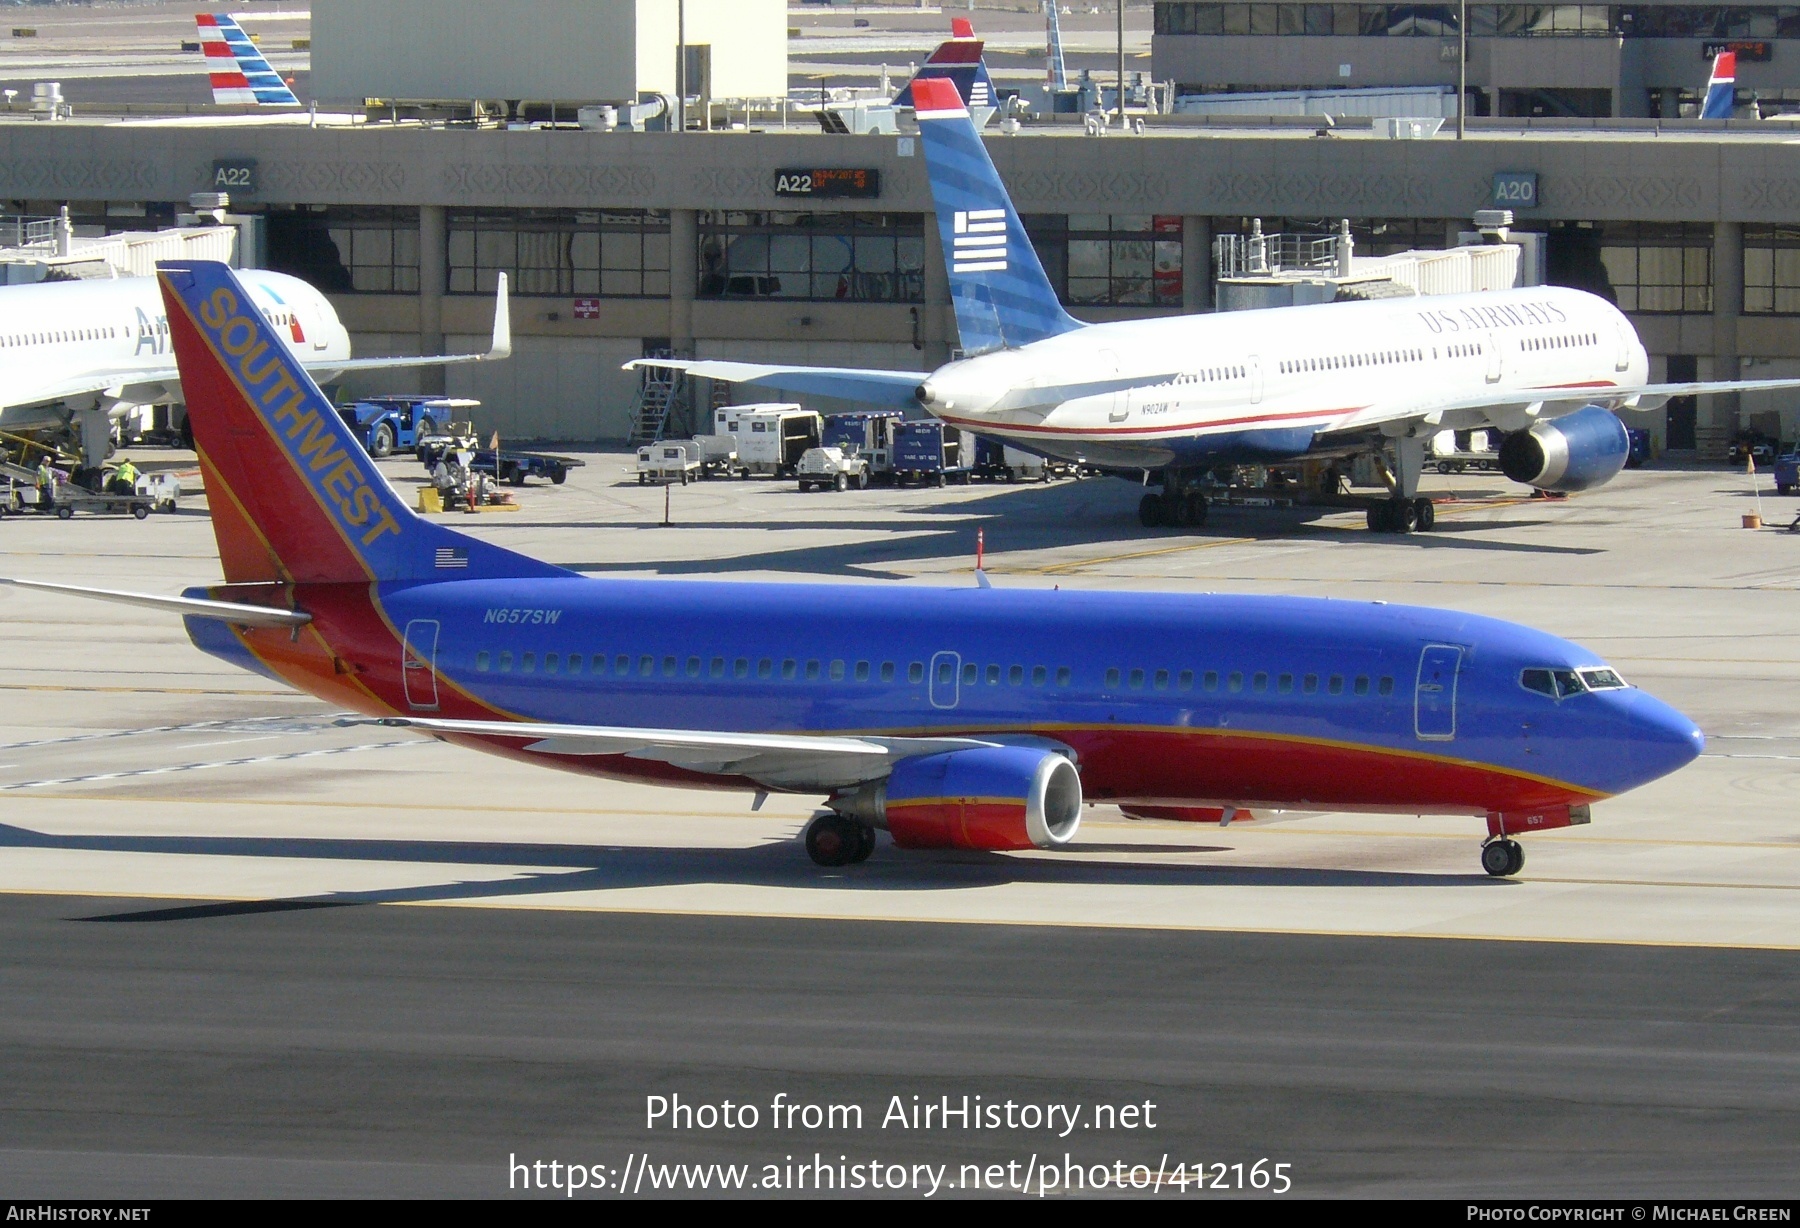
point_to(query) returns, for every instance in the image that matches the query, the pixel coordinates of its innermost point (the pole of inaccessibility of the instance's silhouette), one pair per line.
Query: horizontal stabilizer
(232, 612)
(891, 388)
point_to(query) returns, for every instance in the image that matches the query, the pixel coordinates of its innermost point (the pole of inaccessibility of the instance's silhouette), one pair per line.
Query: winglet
(502, 346)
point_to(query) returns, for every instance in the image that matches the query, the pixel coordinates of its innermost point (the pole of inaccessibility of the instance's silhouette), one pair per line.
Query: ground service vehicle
(834, 468)
(771, 439)
(382, 424)
(930, 453)
(672, 460)
(866, 433)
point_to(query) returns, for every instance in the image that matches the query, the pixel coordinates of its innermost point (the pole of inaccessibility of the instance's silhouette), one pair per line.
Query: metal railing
(22, 231)
(1253, 255)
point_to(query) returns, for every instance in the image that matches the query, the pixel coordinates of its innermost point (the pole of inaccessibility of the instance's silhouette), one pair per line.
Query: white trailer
(771, 438)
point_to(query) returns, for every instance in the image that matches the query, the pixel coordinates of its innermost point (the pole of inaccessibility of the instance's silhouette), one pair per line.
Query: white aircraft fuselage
(103, 345)
(1175, 390)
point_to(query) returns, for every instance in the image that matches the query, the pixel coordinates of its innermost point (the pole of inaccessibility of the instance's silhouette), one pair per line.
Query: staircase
(661, 403)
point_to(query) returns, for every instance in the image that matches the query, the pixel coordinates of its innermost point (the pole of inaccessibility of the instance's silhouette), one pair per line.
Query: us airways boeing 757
(1170, 399)
(966, 718)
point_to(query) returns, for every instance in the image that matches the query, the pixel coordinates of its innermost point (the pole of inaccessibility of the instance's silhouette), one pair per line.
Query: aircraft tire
(1402, 516)
(1196, 510)
(833, 840)
(1150, 511)
(1377, 517)
(865, 843)
(1424, 514)
(1502, 858)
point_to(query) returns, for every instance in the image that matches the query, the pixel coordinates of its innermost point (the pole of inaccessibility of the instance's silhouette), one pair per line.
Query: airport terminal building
(707, 243)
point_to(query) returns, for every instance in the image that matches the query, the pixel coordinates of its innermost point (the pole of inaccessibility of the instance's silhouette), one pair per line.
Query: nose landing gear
(835, 840)
(1502, 858)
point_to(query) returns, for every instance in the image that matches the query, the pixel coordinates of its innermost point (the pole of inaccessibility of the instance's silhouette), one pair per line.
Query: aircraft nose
(1660, 739)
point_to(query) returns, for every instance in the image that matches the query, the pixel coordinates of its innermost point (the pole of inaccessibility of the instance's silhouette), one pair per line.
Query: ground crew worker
(124, 479)
(46, 483)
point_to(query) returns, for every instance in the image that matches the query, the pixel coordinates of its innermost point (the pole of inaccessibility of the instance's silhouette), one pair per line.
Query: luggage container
(931, 454)
(771, 438)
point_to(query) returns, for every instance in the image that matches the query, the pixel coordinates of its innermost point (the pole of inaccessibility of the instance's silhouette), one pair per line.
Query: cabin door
(418, 664)
(1434, 697)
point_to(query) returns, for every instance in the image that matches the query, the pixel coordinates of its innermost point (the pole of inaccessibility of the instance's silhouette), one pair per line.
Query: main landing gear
(834, 840)
(1178, 506)
(1402, 516)
(1502, 858)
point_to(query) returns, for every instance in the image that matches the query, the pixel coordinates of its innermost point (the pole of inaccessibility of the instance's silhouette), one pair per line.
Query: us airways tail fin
(238, 70)
(957, 60)
(294, 497)
(997, 283)
(1721, 87)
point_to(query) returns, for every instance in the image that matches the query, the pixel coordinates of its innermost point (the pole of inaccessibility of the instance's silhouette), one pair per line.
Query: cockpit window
(1559, 683)
(1602, 679)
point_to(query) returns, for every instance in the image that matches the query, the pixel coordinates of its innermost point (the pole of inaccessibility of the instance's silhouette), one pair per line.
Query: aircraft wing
(797, 759)
(892, 388)
(1556, 399)
(500, 347)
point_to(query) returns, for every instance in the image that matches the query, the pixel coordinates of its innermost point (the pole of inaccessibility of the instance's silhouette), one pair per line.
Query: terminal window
(609, 253)
(1113, 259)
(848, 257)
(347, 249)
(1659, 268)
(1772, 270)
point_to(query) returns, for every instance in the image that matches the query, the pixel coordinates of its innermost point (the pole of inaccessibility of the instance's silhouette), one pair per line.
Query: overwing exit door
(418, 664)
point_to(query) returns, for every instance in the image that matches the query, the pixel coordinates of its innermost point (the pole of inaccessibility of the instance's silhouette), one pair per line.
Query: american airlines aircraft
(971, 718)
(238, 70)
(1166, 400)
(83, 353)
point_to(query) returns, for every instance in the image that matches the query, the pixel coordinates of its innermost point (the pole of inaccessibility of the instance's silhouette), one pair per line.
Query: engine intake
(1001, 797)
(1576, 452)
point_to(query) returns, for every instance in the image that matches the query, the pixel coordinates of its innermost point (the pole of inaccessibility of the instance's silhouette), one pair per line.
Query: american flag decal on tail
(451, 557)
(980, 238)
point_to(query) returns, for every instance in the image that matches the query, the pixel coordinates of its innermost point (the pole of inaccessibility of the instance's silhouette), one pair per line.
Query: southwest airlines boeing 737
(1169, 399)
(968, 718)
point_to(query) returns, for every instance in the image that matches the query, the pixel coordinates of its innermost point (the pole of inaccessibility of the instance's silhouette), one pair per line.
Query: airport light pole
(1462, 65)
(681, 64)
(1121, 65)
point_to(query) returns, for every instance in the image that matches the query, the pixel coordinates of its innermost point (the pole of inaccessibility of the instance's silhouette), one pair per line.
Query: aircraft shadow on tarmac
(1038, 518)
(574, 868)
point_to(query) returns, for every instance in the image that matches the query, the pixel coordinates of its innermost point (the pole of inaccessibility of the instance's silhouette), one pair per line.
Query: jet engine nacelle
(1575, 452)
(1001, 797)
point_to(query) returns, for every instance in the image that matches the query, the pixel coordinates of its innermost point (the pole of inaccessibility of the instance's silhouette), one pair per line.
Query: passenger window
(1260, 682)
(1285, 684)
(971, 674)
(574, 663)
(740, 668)
(946, 672)
(646, 666)
(862, 671)
(1063, 675)
(1385, 686)
(993, 675)
(836, 672)
(765, 668)
(1336, 686)
(1016, 675)
(812, 670)
(668, 667)
(717, 669)
(916, 672)
(1235, 682)
(789, 668)
(1185, 680)
(1039, 675)
(551, 661)
(1211, 681)
(528, 663)
(1112, 678)
(621, 665)
(1310, 684)
(887, 671)
(506, 662)
(1162, 679)
(1137, 679)
(1362, 684)
(693, 667)
(481, 662)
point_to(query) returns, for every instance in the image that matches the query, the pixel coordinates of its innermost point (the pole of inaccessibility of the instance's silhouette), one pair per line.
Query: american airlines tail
(997, 284)
(1721, 87)
(295, 499)
(238, 70)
